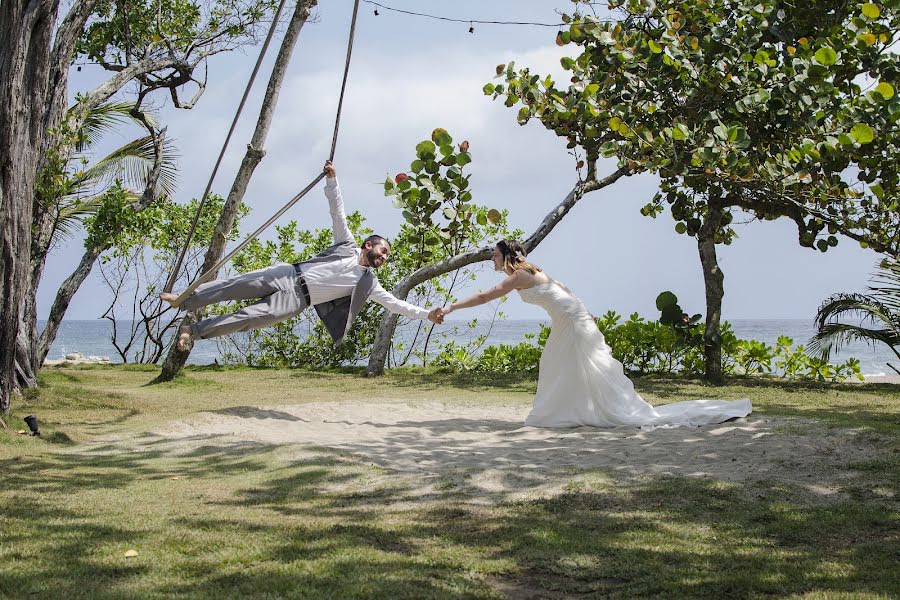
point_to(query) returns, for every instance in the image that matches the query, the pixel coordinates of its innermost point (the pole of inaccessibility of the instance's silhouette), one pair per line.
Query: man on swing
(337, 283)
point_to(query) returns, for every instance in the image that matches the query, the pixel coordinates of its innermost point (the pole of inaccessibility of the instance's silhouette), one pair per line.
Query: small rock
(74, 356)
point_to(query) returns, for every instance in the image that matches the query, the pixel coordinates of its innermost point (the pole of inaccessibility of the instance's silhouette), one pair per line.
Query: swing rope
(337, 121)
(237, 115)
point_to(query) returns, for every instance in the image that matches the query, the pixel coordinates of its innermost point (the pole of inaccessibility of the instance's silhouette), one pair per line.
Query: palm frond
(880, 308)
(132, 164)
(70, 214)
(863, 306)
(103, 119)
(831, 337)
(107, 117)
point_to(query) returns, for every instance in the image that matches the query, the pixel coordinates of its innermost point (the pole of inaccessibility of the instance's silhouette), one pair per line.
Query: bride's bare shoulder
(525, 280)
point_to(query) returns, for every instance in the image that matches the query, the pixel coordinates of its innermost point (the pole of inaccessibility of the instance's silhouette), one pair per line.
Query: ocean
(92, 338)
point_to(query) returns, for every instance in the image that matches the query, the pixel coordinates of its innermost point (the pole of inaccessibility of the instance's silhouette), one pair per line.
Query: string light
(471, 22)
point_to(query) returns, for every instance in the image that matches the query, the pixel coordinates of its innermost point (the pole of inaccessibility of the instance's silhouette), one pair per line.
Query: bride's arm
(506, 286)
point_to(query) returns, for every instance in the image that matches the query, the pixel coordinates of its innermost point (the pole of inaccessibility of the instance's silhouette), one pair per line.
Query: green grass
(250, 520)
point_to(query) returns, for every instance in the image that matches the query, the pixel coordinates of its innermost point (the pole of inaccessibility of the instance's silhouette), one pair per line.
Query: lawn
(97, 509)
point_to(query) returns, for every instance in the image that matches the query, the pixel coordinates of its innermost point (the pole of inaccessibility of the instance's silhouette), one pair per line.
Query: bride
(580, 383)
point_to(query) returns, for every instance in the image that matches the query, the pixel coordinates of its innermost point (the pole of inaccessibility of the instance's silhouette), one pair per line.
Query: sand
(486, 454)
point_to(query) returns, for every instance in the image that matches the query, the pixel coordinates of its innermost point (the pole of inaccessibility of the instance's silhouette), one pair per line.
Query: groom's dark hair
(376, 239)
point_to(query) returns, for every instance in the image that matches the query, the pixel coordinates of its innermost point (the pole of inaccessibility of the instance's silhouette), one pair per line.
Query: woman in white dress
(580, 383)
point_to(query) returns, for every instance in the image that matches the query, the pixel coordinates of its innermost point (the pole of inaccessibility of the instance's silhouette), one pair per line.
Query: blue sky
(410, 75)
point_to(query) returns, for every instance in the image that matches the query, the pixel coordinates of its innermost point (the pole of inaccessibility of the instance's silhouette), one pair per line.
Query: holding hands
(436, 316)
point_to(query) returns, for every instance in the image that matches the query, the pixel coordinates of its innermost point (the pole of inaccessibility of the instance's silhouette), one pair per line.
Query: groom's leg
(246, 286)
(276, 307)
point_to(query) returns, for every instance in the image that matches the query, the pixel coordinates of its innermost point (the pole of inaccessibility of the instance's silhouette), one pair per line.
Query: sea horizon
(91, 337)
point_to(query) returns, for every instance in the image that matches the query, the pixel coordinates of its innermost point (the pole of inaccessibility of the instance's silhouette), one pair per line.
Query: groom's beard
(374, 258)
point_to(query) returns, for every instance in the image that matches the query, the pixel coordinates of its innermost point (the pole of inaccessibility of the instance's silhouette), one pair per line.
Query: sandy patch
(485, 453)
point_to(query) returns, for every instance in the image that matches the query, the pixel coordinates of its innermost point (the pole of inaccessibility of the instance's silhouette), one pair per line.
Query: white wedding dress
(580, 383)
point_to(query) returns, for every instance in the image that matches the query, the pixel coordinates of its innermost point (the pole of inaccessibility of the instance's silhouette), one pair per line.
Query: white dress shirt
(332, 280)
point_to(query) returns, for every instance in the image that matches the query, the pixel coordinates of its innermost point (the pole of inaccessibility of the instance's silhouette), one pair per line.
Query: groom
(337, 282)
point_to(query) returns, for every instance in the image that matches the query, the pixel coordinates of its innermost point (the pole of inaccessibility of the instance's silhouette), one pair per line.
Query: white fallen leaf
(131, 554)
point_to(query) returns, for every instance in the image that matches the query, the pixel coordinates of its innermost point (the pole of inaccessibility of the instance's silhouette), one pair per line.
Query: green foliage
(672, 313)
(160, 228)
(644, 347)
(760, 105)
(120, 32)
(73, 188)
(437, 201)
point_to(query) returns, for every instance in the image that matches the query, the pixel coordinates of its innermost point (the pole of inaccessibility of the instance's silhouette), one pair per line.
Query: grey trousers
(277, 287)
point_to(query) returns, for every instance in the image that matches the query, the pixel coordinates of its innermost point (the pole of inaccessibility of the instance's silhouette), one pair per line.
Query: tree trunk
(382, 346)
(25, 39)
(63, 297)
(46, 117)
(176, 358)
(713, 279)
(27, 361)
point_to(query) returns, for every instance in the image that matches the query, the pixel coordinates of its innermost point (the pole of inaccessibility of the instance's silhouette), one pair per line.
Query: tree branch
(404, 286)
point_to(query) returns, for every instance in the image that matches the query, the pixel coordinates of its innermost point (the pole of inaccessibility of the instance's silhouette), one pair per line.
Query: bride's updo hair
(514, 257)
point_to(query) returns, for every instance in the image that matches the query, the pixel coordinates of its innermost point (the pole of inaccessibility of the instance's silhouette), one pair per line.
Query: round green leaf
(524, 115)
(666, 299)
(862, 133)
(871, 10)
(488, 89)
(680, 228)
(826, 56)
(654, 47)
(494, 216)
(886, 90)
(482, 219)
(425, 148)
(440, 137)
(463, 158)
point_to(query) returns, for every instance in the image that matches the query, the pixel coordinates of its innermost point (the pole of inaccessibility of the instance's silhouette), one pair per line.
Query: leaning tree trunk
(713, 279)
(25, 39)
(401, 290)
(63, 297)
(176, 358)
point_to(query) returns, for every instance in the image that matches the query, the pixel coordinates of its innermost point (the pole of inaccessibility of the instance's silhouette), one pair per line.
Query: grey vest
(338, 314)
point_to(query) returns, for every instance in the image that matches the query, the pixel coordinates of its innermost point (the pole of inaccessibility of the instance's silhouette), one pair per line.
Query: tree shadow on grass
(316, 526)
(673, 537)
